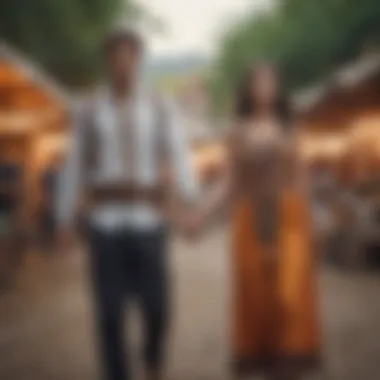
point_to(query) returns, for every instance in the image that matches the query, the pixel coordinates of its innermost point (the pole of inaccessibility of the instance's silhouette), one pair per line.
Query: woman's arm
(217, 198)
(221, 194)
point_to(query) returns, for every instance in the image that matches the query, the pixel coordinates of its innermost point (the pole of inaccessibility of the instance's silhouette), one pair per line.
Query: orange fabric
(275, 314)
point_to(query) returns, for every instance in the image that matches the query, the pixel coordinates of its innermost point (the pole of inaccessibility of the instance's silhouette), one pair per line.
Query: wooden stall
(33, 122)
(342, 115)
(341, 122)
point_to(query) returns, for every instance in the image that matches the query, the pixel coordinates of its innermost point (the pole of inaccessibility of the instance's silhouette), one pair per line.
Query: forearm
(218, 200)
(69, 183)
(185, 177)
(67, 198)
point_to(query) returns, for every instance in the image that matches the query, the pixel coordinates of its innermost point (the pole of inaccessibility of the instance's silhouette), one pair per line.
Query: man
(123, 140)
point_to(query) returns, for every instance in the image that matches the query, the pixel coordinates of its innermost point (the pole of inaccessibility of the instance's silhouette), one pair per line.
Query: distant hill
(172, 73)
(176, 65)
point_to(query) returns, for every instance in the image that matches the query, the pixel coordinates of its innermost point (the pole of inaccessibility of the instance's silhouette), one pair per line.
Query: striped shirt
(113, 164)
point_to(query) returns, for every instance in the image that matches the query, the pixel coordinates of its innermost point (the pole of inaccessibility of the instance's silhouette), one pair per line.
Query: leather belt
(156, 195)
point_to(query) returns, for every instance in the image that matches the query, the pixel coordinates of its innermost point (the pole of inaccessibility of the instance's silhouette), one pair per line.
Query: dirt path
(46, 330)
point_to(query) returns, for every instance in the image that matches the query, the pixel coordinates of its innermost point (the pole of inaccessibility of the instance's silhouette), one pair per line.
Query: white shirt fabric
(112, 166)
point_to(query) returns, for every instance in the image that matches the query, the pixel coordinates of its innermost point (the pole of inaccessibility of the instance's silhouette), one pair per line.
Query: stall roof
(343, 79)
(32, 72)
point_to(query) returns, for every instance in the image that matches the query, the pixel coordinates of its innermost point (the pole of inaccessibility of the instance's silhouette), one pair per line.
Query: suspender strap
(90, 139)
(127, 192)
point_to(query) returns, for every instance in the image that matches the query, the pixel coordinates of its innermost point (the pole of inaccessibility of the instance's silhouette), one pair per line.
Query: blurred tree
(64, 36)
(307, 39)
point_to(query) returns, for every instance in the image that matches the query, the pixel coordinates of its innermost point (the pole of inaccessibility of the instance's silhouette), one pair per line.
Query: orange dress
(274, 302)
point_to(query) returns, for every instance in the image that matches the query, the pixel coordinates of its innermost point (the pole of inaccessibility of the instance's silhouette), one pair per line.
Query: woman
(275, 327)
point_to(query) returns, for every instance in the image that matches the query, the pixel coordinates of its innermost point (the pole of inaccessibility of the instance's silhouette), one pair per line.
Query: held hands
(186, 219)
(191, 225)
(65, 240)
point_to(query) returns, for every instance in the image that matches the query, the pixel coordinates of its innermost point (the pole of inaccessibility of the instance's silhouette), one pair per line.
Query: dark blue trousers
(130, 265)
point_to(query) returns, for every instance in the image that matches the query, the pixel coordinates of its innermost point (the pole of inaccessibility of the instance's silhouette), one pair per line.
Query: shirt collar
(106, 95)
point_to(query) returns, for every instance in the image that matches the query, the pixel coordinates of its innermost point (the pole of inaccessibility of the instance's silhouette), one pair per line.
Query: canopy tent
(346, 94)
(341, 116)
(30, 101)
(25, 84)
(32, 108)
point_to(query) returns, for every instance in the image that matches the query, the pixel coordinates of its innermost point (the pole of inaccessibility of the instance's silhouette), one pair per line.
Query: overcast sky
(194, 25)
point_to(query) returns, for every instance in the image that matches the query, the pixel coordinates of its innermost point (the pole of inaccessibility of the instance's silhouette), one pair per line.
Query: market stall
(32, 110)
(341, 117)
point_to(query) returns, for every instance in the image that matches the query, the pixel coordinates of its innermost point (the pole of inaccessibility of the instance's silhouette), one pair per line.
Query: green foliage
(63, 35)
(307, 39)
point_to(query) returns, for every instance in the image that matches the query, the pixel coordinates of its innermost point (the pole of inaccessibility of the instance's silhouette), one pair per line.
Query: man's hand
(191, 224)
(66, 240)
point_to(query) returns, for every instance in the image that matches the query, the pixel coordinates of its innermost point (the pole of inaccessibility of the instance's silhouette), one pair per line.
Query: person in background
(126, 141)
(369, 222)
(275, 327)
(323, 195)
(49, 191)
(353, 227)
(11, 223)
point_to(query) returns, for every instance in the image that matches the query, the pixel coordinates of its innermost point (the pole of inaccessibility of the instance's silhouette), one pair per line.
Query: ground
(46, 327)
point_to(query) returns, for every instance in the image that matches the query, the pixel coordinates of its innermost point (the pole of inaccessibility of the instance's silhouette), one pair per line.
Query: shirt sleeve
(70, 178)
(185, 176)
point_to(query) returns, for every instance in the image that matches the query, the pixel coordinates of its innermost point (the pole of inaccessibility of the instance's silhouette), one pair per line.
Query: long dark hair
(245, 103)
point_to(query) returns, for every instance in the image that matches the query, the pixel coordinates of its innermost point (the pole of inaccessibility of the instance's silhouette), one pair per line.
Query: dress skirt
(275, 314)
